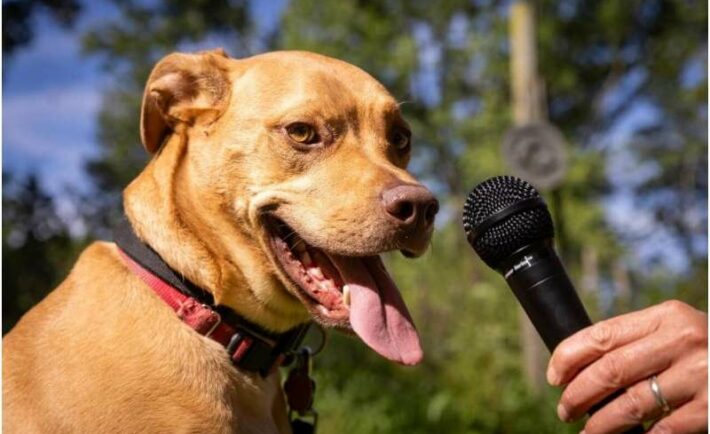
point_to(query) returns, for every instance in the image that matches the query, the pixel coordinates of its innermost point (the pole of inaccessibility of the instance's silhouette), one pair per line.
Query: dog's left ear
(187, 89)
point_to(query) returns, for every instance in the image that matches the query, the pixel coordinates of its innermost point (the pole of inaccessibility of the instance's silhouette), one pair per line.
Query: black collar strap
(265, 349)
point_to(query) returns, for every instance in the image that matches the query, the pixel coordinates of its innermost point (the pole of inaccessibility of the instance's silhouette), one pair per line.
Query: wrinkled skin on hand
(668, 340)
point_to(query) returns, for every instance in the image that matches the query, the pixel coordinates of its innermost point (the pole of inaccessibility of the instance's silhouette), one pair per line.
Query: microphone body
(541, 285)
(509, 226)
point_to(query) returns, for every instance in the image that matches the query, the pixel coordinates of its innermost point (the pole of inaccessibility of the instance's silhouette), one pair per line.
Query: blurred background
(625, 82)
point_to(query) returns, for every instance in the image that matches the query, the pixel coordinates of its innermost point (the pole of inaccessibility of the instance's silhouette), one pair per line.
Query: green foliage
(129, 52)
(471, 380)
(37, 250)
(600, 59)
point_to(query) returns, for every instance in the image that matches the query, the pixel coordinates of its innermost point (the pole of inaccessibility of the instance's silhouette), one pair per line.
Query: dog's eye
(400, 139)
(302, 133)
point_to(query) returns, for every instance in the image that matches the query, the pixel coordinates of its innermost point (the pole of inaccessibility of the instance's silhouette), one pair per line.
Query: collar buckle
(250, 353)
(216, 323)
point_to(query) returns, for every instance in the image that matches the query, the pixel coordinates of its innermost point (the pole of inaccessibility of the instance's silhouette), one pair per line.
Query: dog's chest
(230, 401)
(223, 402)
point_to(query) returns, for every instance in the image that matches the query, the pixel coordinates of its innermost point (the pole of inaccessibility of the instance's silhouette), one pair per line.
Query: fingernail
(562, 413)
(553, 377)
(583, 432)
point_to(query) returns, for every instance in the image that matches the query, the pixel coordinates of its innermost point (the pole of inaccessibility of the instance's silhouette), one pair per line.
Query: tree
(36, 244)
(18, 16)
(130, 52)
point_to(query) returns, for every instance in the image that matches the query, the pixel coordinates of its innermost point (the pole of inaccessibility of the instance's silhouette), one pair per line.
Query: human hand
(668, 341)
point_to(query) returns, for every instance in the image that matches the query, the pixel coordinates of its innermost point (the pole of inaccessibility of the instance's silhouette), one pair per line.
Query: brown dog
(275, 183)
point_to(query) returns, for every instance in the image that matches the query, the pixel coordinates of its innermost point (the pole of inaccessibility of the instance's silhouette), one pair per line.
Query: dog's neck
(149, 203)
(161, 208)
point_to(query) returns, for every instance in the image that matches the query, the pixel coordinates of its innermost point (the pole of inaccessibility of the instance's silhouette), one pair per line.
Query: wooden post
(528, 107)
(526, 85)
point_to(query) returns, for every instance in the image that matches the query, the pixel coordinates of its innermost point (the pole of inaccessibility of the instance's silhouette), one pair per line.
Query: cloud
(51, 99)
(51, 131)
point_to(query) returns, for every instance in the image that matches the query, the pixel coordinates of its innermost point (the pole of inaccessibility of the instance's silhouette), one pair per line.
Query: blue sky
(52, 95)
(50, 99)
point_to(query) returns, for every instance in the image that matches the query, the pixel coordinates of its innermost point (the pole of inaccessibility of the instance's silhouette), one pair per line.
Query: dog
(275, 182)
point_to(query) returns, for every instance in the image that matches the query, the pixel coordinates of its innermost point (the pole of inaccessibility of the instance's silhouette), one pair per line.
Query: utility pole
(527, 88)
(528, 108)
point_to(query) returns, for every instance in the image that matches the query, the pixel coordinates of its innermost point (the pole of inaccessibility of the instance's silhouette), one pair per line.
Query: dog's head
(292, 171)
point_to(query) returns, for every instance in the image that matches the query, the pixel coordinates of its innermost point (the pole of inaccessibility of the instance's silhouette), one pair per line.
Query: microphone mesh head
(512, 233)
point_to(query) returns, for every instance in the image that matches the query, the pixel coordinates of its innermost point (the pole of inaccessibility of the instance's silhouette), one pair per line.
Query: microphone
(509, 226)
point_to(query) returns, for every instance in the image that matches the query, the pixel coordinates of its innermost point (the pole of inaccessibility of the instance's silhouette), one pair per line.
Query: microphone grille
(504, 237)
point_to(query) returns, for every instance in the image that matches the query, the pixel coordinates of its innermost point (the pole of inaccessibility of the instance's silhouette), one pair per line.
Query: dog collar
(249, 346)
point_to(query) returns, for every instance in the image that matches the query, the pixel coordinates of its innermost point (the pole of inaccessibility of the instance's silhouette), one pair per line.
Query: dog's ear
(183, 89)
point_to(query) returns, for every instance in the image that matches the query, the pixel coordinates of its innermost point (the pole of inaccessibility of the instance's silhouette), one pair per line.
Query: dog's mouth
(347, 292)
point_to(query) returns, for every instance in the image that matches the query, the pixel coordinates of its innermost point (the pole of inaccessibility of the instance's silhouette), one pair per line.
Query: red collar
(247, 348)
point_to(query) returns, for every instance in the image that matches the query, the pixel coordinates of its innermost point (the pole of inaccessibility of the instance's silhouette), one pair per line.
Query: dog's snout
(410, 205)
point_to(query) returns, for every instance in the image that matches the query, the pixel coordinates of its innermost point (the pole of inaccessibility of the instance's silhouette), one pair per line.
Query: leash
(249, 346)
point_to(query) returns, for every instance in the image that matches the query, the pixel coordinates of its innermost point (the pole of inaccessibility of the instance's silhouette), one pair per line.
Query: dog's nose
(411, 205)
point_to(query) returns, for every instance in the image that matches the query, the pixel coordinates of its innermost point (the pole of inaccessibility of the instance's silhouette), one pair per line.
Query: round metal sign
(537, 153)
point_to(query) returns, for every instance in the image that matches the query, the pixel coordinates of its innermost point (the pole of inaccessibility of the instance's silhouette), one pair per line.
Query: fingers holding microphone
(659, 355)
(644, 366)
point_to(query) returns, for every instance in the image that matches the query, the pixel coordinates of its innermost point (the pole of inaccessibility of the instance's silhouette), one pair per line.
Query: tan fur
(102, 353)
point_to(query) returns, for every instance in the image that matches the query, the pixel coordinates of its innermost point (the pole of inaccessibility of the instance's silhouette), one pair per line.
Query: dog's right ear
(186, 89)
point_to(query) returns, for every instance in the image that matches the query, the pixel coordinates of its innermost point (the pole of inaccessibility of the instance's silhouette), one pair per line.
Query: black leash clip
(300, 390)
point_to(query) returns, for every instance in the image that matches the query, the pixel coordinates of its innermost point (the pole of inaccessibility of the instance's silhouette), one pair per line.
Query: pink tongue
(377, 312)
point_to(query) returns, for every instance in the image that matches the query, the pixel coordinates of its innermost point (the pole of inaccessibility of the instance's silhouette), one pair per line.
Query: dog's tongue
(377, 312)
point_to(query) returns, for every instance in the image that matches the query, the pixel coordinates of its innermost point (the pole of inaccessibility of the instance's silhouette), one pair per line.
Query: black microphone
(509, 226)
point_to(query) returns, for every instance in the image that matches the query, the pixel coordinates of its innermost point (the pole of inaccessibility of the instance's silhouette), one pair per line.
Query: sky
(50, 99)
(52, 94)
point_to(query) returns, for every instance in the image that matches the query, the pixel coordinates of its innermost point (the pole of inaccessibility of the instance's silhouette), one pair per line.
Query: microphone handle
(541, 285)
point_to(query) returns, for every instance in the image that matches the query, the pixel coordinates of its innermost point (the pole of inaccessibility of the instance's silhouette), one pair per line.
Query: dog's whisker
(298, 242)
(293, 235)
(289, 235)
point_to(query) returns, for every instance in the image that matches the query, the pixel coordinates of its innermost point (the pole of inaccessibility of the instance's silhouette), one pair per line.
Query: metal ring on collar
(323, 338)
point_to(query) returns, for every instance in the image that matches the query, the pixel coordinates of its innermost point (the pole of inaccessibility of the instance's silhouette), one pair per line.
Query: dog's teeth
(316, 272)
(305, 258)
(346, 295)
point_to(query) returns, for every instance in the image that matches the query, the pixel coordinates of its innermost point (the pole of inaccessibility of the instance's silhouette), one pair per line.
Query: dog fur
(102, 353)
